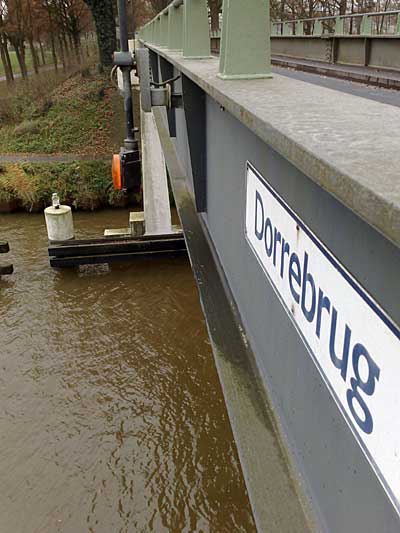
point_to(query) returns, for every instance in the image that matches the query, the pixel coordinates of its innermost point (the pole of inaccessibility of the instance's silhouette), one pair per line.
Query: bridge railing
(184, 27)
(374, 23)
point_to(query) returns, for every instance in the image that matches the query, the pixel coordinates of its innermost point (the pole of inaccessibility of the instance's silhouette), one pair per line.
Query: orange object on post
(116, 172)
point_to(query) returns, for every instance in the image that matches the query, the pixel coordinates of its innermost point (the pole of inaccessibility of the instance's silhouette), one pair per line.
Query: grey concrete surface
(350, 146)
(367, 75)
(157, 211)
(385, 96)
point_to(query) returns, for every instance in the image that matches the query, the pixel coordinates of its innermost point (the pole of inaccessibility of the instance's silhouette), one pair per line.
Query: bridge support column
(196, 31)
(245, 43)
(175, 28)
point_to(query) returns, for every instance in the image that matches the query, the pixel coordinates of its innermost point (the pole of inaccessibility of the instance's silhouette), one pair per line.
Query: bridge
(289, 197)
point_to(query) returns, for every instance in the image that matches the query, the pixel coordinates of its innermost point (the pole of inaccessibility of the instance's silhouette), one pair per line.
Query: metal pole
(130, 142)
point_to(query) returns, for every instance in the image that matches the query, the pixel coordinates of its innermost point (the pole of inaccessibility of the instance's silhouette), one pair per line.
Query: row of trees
(280, 9)
(295, 9)
(40, 25)
(59, 24)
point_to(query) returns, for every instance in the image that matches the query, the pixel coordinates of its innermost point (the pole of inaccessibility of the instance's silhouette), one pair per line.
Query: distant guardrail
(373, 23)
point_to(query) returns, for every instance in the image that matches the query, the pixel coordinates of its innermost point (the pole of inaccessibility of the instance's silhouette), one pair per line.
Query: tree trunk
(65, 49)
(8, 72)
(52, 42)
(53, 52)
(77, 46)
(103, 15)
(42, 52)
(10, 67)
(62, 54)
(35, 61)
(20, 53)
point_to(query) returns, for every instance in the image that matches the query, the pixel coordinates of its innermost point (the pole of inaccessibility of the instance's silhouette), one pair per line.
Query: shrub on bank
(84, 185)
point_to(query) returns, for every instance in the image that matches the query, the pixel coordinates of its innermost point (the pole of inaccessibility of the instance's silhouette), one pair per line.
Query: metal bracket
(150, 96)
(123, 59)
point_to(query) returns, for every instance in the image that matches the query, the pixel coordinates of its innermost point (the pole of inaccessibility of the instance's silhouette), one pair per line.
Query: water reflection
(111, 413)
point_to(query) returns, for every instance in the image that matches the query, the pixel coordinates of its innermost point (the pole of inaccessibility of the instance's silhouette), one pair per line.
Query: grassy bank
(84, 185)
(70, 115)
(59, 114)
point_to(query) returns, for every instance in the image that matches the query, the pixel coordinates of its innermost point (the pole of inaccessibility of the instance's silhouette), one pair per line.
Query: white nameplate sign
(354, 344)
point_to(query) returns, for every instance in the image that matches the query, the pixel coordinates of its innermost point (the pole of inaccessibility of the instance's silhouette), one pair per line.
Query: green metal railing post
(339, 26)
(196, 31)
(157, 31)
(245, 41)
(398, 25)
(300, 27)
(175, 28)
(318, 29)
(287, 28)
(366, 25)
(164, 29)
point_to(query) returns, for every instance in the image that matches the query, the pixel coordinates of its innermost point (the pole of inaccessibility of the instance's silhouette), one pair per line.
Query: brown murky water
(111, 412)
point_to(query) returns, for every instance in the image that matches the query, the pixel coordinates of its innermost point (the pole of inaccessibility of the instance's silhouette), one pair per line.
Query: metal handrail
(319, 24)
(334, 17)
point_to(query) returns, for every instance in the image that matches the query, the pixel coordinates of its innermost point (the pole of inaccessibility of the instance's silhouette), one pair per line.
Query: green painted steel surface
(287, 28)
(366, 25)
(245, 46)
(164, 29)
(175, 28)
(318, 29)
(196, 32)
(339, 26)
(300, 27)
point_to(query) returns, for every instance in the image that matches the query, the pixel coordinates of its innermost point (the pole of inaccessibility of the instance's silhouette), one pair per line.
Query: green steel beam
(318, 29)
(196, 31)
(299, 27)
(275, 29)
(287, 28)
(366, 25)
(157, 32)
(175, 28)
(164, 29)
(339, 26)
(245, 42)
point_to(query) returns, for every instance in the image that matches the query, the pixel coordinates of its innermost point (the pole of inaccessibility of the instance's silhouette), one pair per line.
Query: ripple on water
(112, 417)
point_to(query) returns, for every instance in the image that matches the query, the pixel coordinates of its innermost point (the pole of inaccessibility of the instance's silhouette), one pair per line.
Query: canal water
(111, 413)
